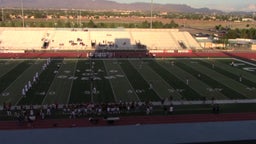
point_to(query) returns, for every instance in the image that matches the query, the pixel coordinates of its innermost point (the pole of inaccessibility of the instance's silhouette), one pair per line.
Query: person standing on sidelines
(187, 81)
(29, 85)
(23, 93)
(240, 78)
(34, 79)
(37, 76)
(26, 88)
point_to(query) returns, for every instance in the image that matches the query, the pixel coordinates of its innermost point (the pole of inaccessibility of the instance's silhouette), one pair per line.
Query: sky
(225, 5)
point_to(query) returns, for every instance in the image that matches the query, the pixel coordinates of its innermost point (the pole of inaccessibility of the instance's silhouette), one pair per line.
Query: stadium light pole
(80, 17)
(2, 14)
(2, 10)
(151, 14)
(22, 13)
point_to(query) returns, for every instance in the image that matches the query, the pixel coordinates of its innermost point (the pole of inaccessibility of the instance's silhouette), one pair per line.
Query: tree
(145, 24)
(172, 24)
(102, 25)
(68, 24)
(60, 23)
(42, 24)
(157, 24)
(91, 24)
(218, 27)
(2, 24)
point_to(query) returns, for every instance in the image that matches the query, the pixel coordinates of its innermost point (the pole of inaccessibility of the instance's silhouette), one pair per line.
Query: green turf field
(82, 80)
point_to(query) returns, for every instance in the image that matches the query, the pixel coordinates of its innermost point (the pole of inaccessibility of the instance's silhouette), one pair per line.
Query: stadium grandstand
(21, 40)
(47, 89)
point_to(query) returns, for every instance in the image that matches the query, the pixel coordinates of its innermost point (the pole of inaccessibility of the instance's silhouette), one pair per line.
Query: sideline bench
(111, 120)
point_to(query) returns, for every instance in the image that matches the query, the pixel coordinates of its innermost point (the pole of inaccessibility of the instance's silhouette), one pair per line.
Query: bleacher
(20, 40)
(155, 40)
(185, 40)
(68, 40)
(192, 42)
(107, 39)
(43, 39)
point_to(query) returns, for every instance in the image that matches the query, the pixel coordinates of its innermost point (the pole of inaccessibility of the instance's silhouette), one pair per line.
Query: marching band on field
(29, 84)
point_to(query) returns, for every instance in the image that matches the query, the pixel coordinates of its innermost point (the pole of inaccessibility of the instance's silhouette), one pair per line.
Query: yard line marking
(13, 66)
(70, 88)
(181, 75)
(14, 82)
(43, 102)
(245, 62)
(229, 82)
(40, 71)
(160, 78)
(111, 85)
(134, 97)
(140, 73)
(129, 83)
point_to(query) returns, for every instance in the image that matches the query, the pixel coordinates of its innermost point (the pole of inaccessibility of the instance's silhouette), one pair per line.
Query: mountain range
(103, 5)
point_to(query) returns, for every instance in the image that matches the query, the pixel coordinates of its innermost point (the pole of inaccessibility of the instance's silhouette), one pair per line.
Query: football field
(74, 81)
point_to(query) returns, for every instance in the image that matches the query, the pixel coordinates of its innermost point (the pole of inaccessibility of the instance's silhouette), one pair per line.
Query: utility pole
(80, 17)
(77, 18)
(22, 13)
(2, 14)
(151, 15)
(2, 10)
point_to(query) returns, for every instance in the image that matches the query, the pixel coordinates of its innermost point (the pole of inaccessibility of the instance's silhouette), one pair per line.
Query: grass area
(12, 75)
(73, 81)
(140, 86)
(223, 92)
(224, 77)
(39, 90)
(104, 91)
(178, 85)
(81, 88)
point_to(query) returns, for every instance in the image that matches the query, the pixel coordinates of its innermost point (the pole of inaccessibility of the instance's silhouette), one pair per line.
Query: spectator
(171, 109)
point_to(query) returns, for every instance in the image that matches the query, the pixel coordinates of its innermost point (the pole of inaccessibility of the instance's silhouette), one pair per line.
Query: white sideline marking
(245, 62)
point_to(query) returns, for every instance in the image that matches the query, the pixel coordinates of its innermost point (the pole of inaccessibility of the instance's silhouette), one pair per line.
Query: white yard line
(13, 67)
(110, 82)
(129, 82)
(161, 79)
(39, 73)
(70, 89)
(245, 62)
(21, 75)
(148, 82)
(43, 102)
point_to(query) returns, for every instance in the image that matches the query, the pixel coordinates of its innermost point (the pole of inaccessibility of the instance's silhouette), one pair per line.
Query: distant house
(12, 16)
(63, 17)
(204, 40)
(49, 17)
(242, 43)
(247, 19)
(253, 47)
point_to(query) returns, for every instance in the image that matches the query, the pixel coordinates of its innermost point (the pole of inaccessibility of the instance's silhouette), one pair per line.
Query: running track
(131, 120)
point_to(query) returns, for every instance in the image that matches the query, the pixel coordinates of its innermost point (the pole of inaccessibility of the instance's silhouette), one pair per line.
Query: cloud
(252, 7)
(223, 7)
(248, 8)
